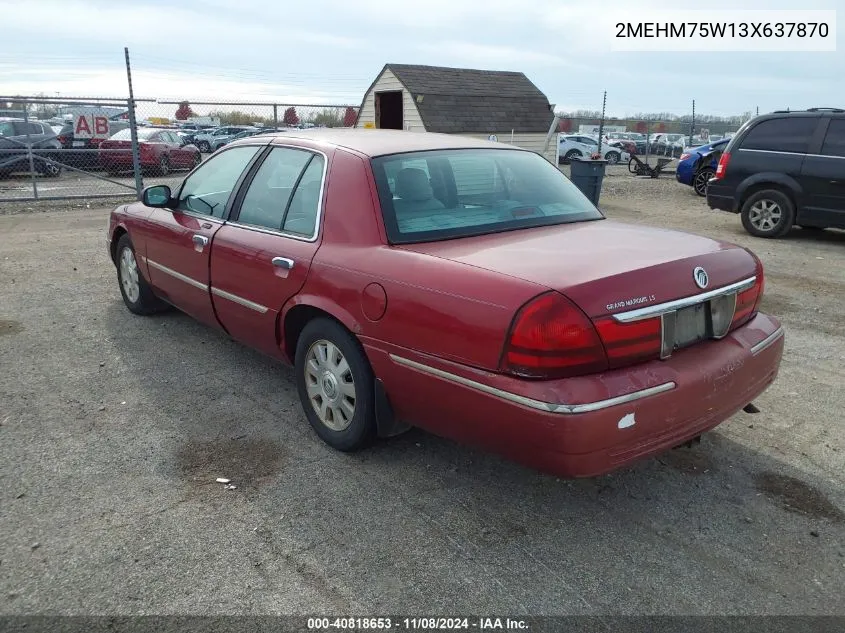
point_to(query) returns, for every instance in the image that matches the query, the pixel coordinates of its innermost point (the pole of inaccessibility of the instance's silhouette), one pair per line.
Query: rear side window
(782, 135)
(427, 196)
(281, 195)
(834, 142)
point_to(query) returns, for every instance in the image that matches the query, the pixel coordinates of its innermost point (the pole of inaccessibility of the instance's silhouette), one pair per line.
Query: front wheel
(335, 385)
(136, 292)
(571, 155)
(612, 158)
(204, 146)
(699, 183)
(768, 213)
(51, 169)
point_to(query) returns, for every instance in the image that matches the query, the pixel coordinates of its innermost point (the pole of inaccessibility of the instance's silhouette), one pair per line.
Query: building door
(389, 115)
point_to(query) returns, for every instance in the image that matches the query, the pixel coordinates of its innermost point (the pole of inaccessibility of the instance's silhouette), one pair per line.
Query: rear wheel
(699, 183)
(197, 159)
(335, 385)
(768, 213)
(164, 166)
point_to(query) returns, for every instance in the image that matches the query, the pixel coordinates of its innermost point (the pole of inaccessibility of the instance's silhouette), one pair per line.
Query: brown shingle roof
(463, 100)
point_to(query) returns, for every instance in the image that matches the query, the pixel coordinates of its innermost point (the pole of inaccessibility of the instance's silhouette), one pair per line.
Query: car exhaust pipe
(750, 408)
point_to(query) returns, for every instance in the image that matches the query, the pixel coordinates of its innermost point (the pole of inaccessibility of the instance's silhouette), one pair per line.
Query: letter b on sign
(101, 126)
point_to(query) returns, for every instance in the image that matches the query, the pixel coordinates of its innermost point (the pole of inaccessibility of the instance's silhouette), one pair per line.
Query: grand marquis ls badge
(701, 277)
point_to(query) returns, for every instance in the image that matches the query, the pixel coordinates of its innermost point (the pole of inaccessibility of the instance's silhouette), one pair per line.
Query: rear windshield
(428, 196)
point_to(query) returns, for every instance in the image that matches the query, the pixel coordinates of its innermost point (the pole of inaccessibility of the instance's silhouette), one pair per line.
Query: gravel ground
(113, 429)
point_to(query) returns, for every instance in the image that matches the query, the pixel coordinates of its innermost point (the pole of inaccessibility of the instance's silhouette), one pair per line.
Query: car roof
(379, 142)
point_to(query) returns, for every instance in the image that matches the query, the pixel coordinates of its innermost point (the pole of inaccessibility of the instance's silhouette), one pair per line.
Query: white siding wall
(533, 142)
(386, 82)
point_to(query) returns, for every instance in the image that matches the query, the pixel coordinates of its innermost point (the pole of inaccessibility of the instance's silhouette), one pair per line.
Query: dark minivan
(784, 169)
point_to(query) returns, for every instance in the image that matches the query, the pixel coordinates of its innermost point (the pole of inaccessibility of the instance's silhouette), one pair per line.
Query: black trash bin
(587, 175)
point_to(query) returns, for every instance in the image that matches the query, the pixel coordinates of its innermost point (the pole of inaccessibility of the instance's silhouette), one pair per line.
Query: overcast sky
(328, 51)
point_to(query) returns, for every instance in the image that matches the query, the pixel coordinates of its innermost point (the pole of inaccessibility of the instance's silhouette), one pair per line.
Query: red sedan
(461, 286)
(161, 151)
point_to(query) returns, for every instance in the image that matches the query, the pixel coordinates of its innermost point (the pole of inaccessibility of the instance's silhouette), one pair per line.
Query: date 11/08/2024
(417, 624)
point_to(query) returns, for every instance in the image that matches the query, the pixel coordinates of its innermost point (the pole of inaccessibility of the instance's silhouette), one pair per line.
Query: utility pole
(133, 129)
(601, 122)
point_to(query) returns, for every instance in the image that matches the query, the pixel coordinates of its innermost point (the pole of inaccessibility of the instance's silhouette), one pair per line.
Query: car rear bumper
(721, 198)
(591, 425)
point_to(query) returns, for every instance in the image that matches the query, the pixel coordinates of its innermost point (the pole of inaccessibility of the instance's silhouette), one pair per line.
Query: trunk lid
(604, 266)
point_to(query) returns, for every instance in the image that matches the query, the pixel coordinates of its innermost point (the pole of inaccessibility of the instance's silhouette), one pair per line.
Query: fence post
(29, 151)
(601, 122)
(275, 116)
(133, 127)
(692, 124)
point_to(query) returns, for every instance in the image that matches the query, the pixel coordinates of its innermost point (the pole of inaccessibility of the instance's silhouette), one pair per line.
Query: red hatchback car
(161, 151)
(462, 286)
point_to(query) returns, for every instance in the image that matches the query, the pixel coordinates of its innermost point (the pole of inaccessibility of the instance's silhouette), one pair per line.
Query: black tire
(361, 427)
(768, 198)
(204, 146)
(573, 153)
(197, 158)
(51, 169)
(612, 157)
(699, 181)
(146, 302)
(164, 165)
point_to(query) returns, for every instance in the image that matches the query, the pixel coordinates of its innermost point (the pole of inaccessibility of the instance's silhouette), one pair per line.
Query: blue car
(695, 173)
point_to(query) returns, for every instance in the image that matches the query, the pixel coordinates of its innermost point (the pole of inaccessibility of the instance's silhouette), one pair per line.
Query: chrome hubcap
(765, 215)
(129, 275)
(330, 385)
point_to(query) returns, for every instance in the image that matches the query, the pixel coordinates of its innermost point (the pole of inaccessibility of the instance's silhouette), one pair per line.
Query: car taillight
(748, 301)
(63, 139)
(629, 343)
(722, 166)
(552, 338)
(684, 157)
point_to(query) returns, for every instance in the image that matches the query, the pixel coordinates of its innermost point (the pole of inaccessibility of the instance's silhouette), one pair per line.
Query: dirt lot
(114, 428)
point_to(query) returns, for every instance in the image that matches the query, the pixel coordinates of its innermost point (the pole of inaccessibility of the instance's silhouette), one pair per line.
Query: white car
(577, 146)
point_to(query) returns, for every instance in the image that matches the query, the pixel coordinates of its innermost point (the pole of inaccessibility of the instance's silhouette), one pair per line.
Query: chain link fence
(60, 149)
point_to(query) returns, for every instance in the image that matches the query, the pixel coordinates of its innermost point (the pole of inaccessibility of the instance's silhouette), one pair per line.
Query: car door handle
(200, 240)
(283, 262)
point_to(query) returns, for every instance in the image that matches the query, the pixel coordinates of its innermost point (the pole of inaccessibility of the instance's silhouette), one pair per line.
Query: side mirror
(157, 196)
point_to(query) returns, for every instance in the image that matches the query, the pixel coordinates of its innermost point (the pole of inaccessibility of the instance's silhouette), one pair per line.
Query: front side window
(6, 128)
(207, 190)
(279, 195)
(782, 135)
(444, 194)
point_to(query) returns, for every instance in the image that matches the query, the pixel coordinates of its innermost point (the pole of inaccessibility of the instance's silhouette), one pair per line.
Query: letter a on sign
(82, 127)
